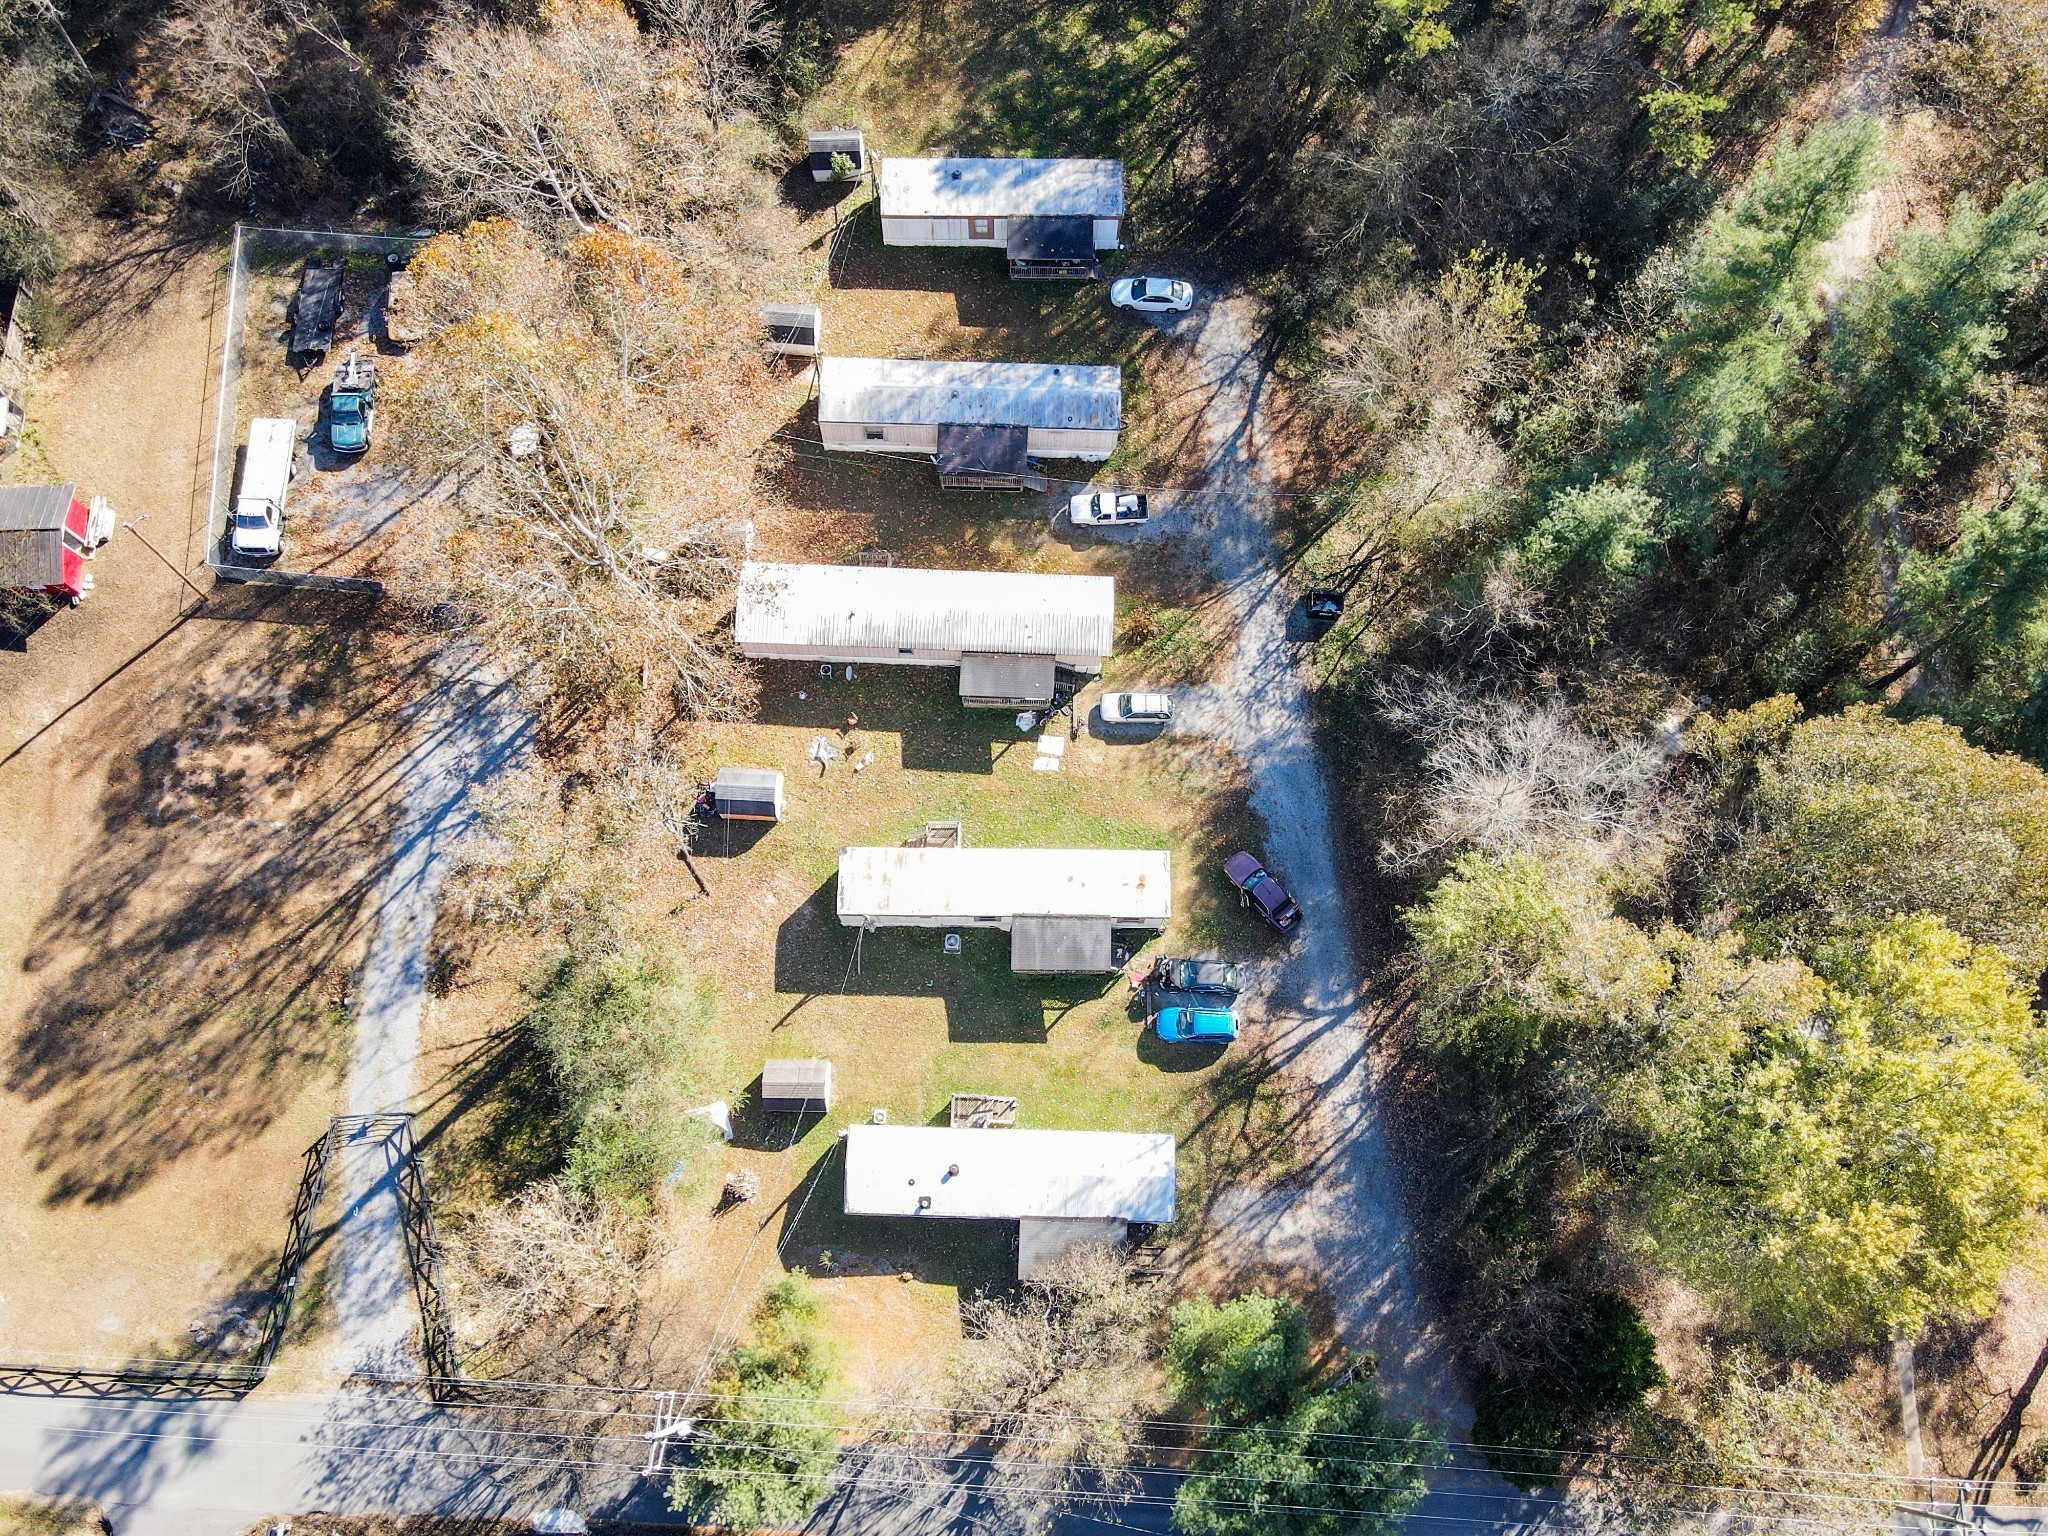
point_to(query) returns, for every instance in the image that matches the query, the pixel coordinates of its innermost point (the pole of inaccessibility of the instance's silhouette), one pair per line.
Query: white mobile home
(1060, 906)
(974, 419)
(1049, 216)
(1010, 632)
(1060, 1187)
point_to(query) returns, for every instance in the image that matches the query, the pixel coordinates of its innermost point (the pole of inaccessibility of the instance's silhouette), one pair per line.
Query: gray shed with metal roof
(796, 1086)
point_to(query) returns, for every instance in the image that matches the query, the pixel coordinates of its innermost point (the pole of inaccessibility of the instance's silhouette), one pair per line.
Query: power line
(1210, 1429)
(1206, 1430)
(488, 1431)
(899, 1483)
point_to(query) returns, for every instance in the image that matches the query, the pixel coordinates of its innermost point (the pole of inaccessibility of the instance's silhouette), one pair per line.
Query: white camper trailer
(258, 529)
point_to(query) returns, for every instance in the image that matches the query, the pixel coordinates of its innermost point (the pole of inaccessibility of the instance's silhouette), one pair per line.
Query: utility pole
(671, 1425)
(197, 591)
(48, 9)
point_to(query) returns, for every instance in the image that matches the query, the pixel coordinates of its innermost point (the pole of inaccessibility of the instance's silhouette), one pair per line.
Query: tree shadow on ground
(109, 290)
(986, 1002)
(194, 972)
(487, 1116)
(1247, 1124)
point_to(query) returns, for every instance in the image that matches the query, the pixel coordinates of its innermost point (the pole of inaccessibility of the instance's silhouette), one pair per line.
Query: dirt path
(1869, 87)
(470, 729)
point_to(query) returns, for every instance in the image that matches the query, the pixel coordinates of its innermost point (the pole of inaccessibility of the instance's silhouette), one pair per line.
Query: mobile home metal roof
(1007, 188)
(908, 392)
(828, 608)
(1009, 1174)
(1130, 884)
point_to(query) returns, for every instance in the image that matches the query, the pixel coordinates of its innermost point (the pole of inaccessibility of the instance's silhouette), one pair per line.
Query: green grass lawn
(906, 1025)
(982, 78)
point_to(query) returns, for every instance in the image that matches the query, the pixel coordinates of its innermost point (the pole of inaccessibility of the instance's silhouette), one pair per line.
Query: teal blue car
(1184, 1023)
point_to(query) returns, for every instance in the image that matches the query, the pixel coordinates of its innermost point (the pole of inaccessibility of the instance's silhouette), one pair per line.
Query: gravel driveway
(1342, 1221)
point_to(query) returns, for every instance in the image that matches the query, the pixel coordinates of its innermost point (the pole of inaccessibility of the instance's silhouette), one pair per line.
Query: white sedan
(1096, 508)
(1153, 295)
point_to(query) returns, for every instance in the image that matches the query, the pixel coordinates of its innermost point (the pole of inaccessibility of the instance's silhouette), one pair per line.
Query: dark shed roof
(1023, 681)
(983, 450)
(1061, 945)
(1052, 239)
(32, 535)
(34, 508)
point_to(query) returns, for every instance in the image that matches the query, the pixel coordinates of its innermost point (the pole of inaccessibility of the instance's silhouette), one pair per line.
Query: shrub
(626, 1037)
(1303, 1455)
(766, 1447)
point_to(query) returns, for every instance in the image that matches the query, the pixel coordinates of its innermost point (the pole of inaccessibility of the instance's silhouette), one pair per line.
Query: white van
(266, 481)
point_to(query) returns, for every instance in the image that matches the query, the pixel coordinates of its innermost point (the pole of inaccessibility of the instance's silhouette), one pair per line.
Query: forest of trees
(1691, 706)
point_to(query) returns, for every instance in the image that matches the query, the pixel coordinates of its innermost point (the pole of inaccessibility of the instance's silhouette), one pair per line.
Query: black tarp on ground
(1061, 946)
(1006, 682)
(983, 450)
(1052, 247)
(316, 308)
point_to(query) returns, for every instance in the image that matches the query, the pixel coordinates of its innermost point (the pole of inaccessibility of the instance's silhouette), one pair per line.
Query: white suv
(1137, 709)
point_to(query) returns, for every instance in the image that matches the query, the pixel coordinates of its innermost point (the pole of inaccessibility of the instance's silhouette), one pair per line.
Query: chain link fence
(252, 244)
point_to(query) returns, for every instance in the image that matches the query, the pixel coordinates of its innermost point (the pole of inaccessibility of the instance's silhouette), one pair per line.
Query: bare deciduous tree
(1428, 355)
(1505, 775)
(1059, 1380)
(545, 1255)
(579, 119)
(231, 63)
(587, 407)
(726, 41)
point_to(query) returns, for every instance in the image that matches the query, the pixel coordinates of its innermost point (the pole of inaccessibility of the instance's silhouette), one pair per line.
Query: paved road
(212, 1469)
(470, 728)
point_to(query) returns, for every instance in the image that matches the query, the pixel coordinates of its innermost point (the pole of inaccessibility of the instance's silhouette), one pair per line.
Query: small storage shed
(1060, 1187)
(824, 143)
(1060, 906)
(796, 1086)
(1049, 216)
(794, 330)
(316, 307)
(904, 405)
(46, 536)
(1009, 632)
(747, 794)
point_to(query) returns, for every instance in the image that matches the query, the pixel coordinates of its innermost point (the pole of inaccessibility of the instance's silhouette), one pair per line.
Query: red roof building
(46, 536)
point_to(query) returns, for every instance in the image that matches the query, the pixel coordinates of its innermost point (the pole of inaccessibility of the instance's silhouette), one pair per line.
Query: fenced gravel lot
(337, 505)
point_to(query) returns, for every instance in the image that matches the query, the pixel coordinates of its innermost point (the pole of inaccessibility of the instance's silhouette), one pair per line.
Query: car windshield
(348, 408)
(251, 520)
